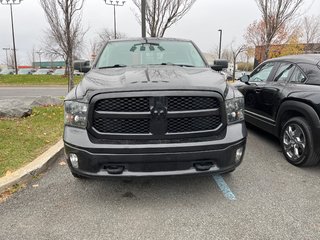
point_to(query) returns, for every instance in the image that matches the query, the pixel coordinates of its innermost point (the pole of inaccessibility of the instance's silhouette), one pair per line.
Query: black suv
(152, 107)
(282, 96)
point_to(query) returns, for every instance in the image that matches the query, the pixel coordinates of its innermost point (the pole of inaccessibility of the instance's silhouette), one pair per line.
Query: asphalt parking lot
(265, 198)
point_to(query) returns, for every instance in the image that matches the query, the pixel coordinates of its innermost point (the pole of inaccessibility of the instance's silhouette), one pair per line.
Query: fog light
(74, 160)
(239, 153)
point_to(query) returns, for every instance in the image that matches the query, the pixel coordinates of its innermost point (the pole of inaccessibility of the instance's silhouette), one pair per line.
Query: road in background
(273, 200)
(19, 92)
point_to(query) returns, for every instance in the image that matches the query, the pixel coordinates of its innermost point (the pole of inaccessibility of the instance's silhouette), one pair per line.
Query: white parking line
(223, 186)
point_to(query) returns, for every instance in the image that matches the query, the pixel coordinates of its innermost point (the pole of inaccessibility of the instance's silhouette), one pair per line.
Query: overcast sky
(200, 24)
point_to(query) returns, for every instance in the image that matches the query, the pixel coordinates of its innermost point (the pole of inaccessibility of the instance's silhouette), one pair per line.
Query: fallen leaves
(62, 163)
(6, 194)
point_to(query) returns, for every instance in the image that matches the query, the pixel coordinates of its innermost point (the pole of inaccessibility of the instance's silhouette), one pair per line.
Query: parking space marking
(224, 188)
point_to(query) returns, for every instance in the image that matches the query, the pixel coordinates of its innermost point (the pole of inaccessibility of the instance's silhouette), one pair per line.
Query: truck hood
(148, 79)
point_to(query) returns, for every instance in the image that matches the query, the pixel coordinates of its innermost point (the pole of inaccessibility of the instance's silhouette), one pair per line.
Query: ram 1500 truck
(153, 107)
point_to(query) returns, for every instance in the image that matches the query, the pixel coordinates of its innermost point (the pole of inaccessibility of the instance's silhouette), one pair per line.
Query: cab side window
(262, 74)
(284, 72)
(298, 76)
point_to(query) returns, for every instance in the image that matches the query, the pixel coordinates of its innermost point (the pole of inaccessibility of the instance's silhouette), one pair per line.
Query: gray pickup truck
(153, 107)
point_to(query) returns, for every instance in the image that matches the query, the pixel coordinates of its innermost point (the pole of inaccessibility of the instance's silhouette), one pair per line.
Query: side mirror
(220, 64)
(217, 68)
(85, 69)
(244, 78)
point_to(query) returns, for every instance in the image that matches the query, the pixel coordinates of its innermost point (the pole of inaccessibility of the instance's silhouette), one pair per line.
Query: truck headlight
(235, 109)
(75, 114)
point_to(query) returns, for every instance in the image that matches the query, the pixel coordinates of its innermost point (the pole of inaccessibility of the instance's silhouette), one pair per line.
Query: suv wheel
(297, 144)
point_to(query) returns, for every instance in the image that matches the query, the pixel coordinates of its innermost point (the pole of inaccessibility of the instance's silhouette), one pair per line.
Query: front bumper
(138, 160)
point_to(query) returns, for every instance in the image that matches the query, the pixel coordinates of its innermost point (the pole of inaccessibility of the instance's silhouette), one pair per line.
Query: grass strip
(21, 80)
(22, 140)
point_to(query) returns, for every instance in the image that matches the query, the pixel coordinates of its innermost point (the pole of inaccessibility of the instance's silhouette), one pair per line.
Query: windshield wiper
(176, 64)
(114, 66)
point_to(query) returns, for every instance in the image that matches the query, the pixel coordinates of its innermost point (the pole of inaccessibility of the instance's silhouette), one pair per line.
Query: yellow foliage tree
(293, 47)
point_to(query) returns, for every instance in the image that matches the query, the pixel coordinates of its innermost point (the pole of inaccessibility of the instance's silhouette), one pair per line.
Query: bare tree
(162, 14)
(106, 35)
(249, 54)
(275, 15)
(94, 48)
(3, 61)
(256, 34)
(227, 54)
(235, 53)
(215, 52)
(311, 29)
(52, 48)
(64, 18)
(9, 58)
(31, 57)
(99, 41)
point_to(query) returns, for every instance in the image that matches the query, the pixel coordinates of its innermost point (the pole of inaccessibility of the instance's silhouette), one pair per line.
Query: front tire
(297, 143)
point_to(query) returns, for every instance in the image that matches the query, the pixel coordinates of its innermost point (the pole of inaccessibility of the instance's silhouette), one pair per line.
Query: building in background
(50, 64)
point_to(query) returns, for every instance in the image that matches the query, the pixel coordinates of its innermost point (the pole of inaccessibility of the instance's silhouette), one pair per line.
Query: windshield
(155, 52)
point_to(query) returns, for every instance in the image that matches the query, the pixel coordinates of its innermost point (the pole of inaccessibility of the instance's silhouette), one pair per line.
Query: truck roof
(150, 38)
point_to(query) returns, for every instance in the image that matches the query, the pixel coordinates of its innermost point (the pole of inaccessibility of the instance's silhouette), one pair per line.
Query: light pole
(39, 52)
(220, 30)
(143, 18)
(114, 4)
(7, 49)
(12, 2)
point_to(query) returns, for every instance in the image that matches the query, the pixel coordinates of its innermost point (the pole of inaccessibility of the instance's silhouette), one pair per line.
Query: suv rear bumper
(138, 160)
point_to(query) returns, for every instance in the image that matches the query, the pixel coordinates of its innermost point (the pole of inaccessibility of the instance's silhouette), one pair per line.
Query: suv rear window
(297, 76)
(312, 72)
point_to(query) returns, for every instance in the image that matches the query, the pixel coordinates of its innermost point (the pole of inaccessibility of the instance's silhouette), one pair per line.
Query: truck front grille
(155, 117)
(134, 104)
(182, 103)
(122, 126)
(193, 124)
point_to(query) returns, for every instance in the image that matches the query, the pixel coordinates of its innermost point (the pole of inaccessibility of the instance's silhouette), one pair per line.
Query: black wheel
(78, 176)
(297, 143)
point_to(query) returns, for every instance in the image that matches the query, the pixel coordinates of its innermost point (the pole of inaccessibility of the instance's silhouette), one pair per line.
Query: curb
(37, 166)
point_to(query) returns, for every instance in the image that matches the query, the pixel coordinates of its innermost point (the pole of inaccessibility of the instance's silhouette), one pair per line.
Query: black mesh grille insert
(192, 124)
(122, 126)
(131, 116)
(186, 103)
(132, 104)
